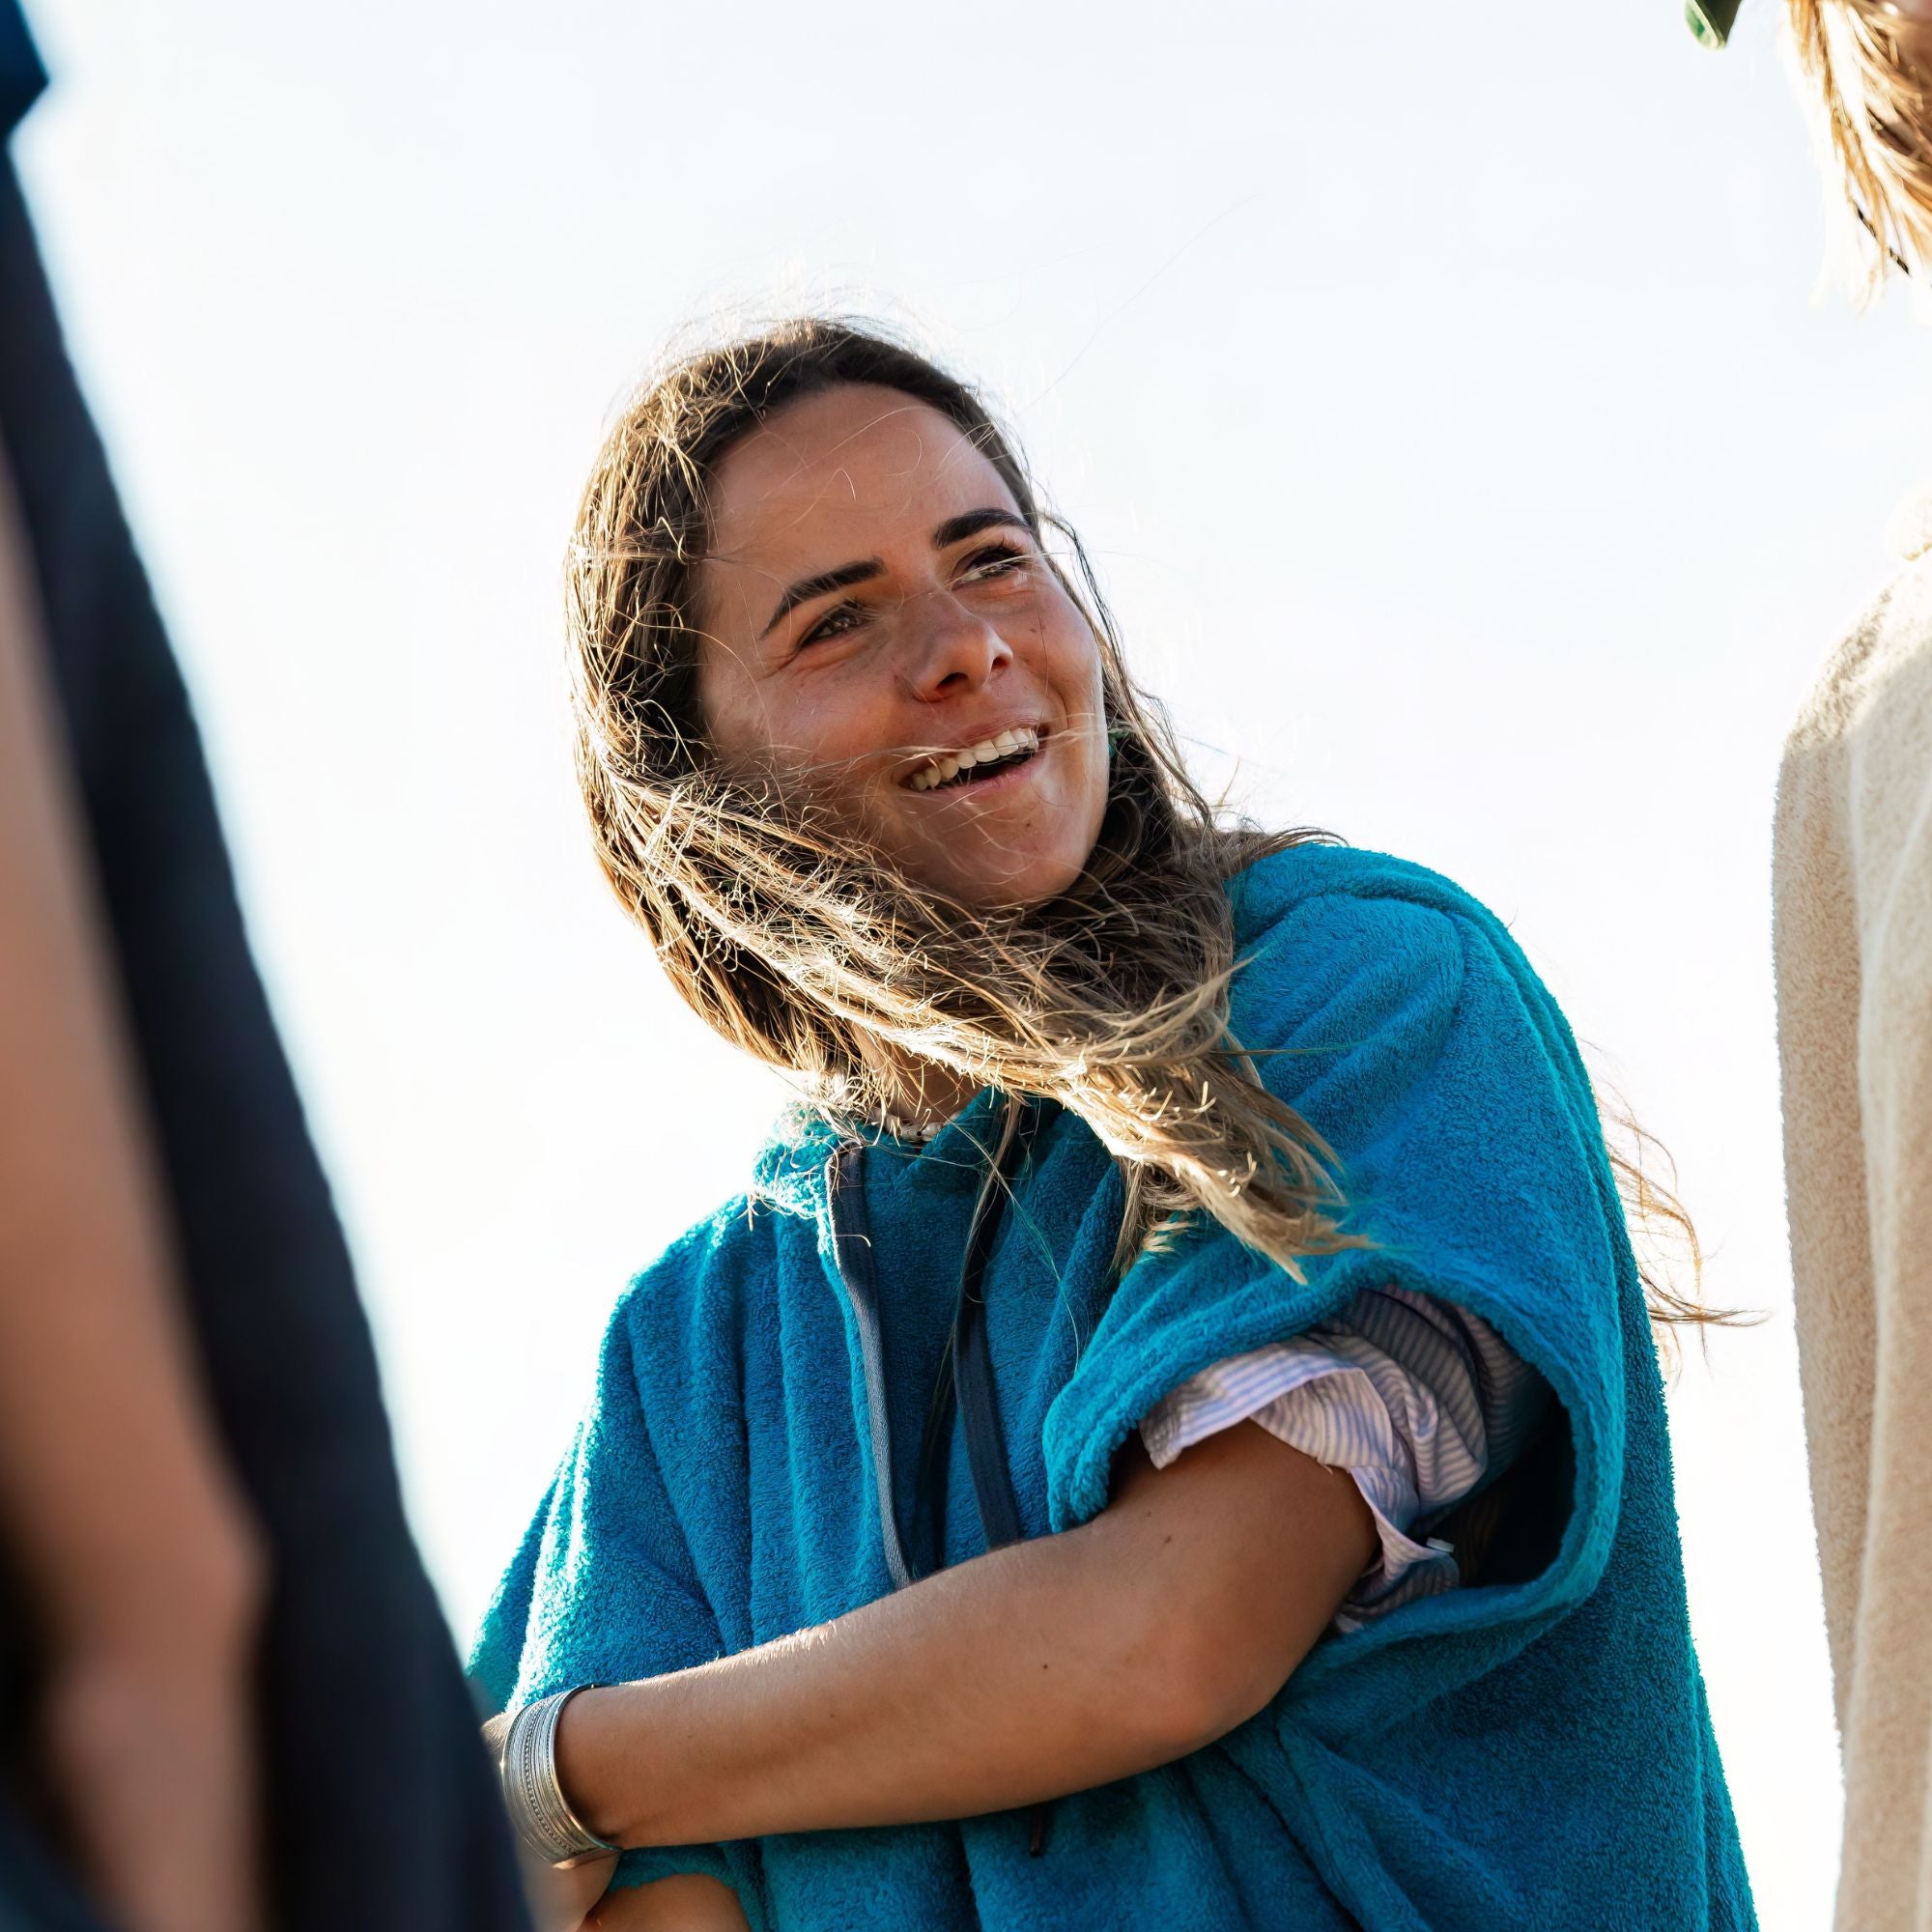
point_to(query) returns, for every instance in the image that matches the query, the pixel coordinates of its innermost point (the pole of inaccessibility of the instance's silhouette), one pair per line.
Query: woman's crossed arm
(1042, 1668)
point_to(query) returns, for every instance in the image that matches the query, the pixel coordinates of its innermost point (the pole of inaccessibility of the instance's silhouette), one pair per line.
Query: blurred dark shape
(381, 1810)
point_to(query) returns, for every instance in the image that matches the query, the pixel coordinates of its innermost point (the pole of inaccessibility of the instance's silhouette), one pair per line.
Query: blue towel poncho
(1533, 1751)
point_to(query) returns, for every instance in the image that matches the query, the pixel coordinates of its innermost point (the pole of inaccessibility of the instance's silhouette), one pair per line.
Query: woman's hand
(577, 1901)
(563, 1901)
(559, 1901)
(691, 1902)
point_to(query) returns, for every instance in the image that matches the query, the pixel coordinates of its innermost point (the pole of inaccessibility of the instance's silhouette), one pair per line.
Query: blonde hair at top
(814, 954)
(1863, 73)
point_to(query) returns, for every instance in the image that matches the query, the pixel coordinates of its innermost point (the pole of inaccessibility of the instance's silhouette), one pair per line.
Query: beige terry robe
(1853, 924)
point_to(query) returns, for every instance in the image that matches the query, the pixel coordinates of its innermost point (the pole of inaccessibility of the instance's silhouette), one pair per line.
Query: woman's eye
(996, 560)
(834, 624)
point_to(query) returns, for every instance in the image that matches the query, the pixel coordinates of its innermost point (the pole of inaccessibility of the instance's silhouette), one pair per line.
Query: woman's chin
(997, 855)
(998, 881)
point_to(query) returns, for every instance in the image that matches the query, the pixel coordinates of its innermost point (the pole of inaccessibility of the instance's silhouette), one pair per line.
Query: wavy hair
(1869, 95)
(813, 953)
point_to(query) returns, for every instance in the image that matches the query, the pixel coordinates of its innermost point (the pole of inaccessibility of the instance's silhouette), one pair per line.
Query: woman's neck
(922, 1092)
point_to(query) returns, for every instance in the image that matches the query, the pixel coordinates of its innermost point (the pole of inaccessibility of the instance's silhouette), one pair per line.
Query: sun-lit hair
(1863, 72)
(816, 955)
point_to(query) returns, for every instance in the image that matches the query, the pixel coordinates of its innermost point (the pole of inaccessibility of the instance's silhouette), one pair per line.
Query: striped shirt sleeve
(1418, 1399)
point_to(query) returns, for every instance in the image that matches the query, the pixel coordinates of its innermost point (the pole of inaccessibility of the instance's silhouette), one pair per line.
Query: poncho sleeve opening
(1414, 1039)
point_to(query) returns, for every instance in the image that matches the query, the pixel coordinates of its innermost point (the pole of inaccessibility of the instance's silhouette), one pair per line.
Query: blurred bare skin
(142, 1569)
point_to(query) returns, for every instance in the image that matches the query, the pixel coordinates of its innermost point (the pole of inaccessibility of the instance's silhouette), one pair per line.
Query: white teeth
(989, 751)
(937, 772)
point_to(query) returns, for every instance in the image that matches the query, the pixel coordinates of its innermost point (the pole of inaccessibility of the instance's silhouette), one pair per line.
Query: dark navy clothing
(380, 1809)
(21, 75)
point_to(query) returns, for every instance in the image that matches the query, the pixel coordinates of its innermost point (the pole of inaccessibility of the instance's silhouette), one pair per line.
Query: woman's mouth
(976, 764)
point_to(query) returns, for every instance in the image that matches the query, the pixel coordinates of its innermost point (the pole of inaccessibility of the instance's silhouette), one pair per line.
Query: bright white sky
(1439, 387)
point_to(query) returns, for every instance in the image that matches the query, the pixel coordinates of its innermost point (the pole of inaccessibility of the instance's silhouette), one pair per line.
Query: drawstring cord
(966, 1376)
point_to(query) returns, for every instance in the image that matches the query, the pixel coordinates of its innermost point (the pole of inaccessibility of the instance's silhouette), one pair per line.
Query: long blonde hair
(1872, 108)
(813, 952)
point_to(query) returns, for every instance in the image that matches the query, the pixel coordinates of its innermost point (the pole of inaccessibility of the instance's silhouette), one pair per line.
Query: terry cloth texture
(1852, 922)
(1534, 1749)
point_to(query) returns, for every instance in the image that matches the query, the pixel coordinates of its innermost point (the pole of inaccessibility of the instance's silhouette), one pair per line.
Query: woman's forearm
(983, 1687)
(1046, 1667)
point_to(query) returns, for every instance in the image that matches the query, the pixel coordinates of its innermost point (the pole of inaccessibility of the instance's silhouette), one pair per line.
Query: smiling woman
(941, 695)
(1170, 1433)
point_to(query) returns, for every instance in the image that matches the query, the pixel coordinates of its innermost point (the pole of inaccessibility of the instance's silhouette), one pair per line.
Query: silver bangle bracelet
(532, 1794)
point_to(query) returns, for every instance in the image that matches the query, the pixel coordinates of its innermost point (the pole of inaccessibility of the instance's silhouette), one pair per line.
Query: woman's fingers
(561, 1901)
(690, 1902)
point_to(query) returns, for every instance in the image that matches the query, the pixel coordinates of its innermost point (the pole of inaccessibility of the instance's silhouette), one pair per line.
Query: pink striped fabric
(1418, 1399)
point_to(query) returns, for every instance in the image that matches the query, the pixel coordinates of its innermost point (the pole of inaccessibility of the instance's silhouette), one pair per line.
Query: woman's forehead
(856, 463)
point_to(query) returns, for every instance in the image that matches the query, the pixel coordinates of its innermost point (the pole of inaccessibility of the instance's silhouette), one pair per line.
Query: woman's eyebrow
(808, 587)
(955, 529)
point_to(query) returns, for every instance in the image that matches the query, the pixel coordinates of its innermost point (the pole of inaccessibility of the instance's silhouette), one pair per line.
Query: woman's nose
(952, 651)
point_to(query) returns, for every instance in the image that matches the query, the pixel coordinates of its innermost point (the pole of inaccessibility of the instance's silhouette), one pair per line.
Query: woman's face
(880, 629)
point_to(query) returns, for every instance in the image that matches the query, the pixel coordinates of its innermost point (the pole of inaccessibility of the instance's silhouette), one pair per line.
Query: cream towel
(1853, 924)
